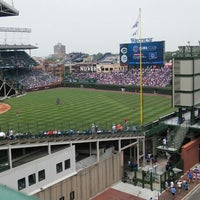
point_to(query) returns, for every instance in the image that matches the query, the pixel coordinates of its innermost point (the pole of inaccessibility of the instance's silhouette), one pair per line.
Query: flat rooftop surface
(113, 194)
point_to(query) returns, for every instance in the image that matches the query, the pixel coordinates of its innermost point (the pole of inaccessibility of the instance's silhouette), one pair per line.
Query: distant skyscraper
(59, 50)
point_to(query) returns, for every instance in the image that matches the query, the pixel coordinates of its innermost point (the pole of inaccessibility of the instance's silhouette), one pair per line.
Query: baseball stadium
(95, 128)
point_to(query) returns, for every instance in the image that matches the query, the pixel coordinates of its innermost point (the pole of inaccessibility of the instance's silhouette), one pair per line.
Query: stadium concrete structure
(7, 193)
(44, 165)
(81, 167)
(7, 10)
(12, 56)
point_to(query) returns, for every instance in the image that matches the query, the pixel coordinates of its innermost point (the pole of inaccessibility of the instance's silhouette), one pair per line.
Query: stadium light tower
(7, 10)
(14, 29)
(14, 35)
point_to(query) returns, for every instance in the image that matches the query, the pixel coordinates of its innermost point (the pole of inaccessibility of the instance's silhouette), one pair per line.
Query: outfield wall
(44, 87)
(127, 88)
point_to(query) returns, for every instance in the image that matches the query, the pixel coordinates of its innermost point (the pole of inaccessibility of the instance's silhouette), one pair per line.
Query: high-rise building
(59, 50)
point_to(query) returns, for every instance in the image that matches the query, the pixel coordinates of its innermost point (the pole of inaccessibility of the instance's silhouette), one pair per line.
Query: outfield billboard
(152, 53)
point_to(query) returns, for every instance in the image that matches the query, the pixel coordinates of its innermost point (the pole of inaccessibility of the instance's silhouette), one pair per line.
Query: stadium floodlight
(14, 29)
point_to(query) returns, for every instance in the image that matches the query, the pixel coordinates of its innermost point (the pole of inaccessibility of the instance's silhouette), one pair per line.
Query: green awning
(7, 193)
(156, 129)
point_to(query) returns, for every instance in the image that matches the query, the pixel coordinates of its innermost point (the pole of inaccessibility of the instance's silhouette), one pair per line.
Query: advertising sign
(152, 53)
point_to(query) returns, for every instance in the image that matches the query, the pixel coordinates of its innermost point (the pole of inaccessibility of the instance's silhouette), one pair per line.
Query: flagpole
(141, 91)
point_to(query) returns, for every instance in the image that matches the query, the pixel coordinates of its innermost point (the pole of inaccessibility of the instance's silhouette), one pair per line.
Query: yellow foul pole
(141, 92)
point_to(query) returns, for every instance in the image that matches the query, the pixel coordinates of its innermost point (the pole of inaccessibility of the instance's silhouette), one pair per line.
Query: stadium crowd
(30, 78)
(37, 78)
(12, 59)
(152, 76)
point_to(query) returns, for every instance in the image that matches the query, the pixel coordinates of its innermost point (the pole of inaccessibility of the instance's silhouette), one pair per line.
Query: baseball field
(78, 109)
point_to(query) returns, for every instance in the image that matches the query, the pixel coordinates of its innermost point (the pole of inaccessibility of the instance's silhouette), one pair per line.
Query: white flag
(136, 24)
(135, 33)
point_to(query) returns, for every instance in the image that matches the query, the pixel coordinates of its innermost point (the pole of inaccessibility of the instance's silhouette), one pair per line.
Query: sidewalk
(166, 195)
(138, 192)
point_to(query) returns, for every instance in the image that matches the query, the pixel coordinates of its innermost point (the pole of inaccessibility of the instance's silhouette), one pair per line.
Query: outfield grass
(37, 111)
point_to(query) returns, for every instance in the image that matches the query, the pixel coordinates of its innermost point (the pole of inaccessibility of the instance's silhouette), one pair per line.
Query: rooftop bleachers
(103, 57)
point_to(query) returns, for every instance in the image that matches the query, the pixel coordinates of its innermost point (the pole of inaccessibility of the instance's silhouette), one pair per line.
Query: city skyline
(94, 26)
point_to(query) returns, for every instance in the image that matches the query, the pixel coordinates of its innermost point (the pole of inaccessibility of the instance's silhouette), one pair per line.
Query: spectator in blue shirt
(173, 191)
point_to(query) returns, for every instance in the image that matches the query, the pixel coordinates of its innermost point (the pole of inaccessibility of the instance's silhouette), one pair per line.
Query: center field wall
(127, 88)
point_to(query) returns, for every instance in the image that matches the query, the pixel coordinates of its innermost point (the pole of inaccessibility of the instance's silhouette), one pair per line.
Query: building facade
(59, 50)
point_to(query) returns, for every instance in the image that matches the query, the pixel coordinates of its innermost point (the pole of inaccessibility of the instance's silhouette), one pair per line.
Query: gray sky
(92, 26)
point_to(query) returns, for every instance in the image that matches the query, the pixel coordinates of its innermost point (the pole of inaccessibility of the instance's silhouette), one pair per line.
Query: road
(194, 195)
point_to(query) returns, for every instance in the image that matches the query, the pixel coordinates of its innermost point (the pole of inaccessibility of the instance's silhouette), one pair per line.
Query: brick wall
(190, 154)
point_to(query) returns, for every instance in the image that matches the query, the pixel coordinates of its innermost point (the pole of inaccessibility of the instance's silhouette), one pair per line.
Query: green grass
(80, 108)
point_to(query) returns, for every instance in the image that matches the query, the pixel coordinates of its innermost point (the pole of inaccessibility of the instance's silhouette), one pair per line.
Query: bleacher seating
(29, 78)
(152, 76)
(14, 59)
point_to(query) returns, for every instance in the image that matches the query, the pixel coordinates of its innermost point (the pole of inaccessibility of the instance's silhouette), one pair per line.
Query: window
(62, 198)
(67, 164)
(21, 183)
(72, 197)
(41, 175)
(59, 167)
(31, 179)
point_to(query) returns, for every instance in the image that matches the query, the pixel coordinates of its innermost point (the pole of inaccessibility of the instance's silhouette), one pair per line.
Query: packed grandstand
(152, 76)
(21, 71)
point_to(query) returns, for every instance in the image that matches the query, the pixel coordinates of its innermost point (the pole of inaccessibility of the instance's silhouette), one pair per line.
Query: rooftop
(7, 10)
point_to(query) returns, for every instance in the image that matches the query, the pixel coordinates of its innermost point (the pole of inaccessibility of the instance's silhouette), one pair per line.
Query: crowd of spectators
(33, 78)
(17, 68)
(36, 79)
(12, 59)
(151, 76)
(28, 79)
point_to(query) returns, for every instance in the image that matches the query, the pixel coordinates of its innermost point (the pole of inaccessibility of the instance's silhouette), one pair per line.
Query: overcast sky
(92, 26)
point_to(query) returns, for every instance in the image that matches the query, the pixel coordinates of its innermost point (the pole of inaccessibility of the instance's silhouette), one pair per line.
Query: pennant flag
(136, 27)
(136, 24)
(135, 33)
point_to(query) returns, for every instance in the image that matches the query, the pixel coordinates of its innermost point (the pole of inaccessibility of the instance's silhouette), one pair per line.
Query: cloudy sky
(92, 26)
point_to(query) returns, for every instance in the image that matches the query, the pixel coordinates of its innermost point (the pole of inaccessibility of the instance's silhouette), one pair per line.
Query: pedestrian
(114, 129)
(185, 186)
(166, 185)
(96, 128)
(196, 171)
(58, 101)
(190, 176)
(173, 192)
(179, 185)
(171, 184)
(119, 127)
(164, 141)
(93, 128)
